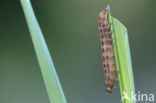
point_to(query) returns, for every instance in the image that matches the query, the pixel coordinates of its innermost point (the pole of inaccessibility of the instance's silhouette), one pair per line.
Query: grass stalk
(47, 67)
(123, 60)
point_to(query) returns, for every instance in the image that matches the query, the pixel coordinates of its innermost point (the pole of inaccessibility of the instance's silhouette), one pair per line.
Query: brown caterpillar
(107, 50)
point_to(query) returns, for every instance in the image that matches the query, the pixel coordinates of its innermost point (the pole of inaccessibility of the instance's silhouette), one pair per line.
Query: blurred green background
(70, 28)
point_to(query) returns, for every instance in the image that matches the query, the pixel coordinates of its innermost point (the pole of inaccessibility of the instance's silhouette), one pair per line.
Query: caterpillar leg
(116, 78)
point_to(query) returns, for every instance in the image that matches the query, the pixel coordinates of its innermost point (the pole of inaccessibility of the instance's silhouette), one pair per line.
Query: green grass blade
(49, 74)
(123, 60)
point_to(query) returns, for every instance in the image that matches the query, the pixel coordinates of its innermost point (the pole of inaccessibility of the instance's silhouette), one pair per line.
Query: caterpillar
(107, 50)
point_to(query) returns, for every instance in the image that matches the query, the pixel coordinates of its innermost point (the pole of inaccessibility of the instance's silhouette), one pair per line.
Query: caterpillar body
(107, 50)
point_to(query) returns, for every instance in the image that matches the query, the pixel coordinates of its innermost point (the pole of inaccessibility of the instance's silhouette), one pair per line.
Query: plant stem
(49, 74)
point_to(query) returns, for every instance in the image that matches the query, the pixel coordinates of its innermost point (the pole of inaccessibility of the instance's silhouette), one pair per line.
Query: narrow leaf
(47, 67)
(123, 60)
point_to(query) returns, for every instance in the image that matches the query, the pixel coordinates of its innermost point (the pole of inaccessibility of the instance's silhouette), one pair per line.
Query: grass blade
(123, 60)
(49, 74)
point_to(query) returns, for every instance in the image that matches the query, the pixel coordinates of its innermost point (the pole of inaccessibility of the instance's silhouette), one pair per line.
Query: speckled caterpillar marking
(107, 50)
